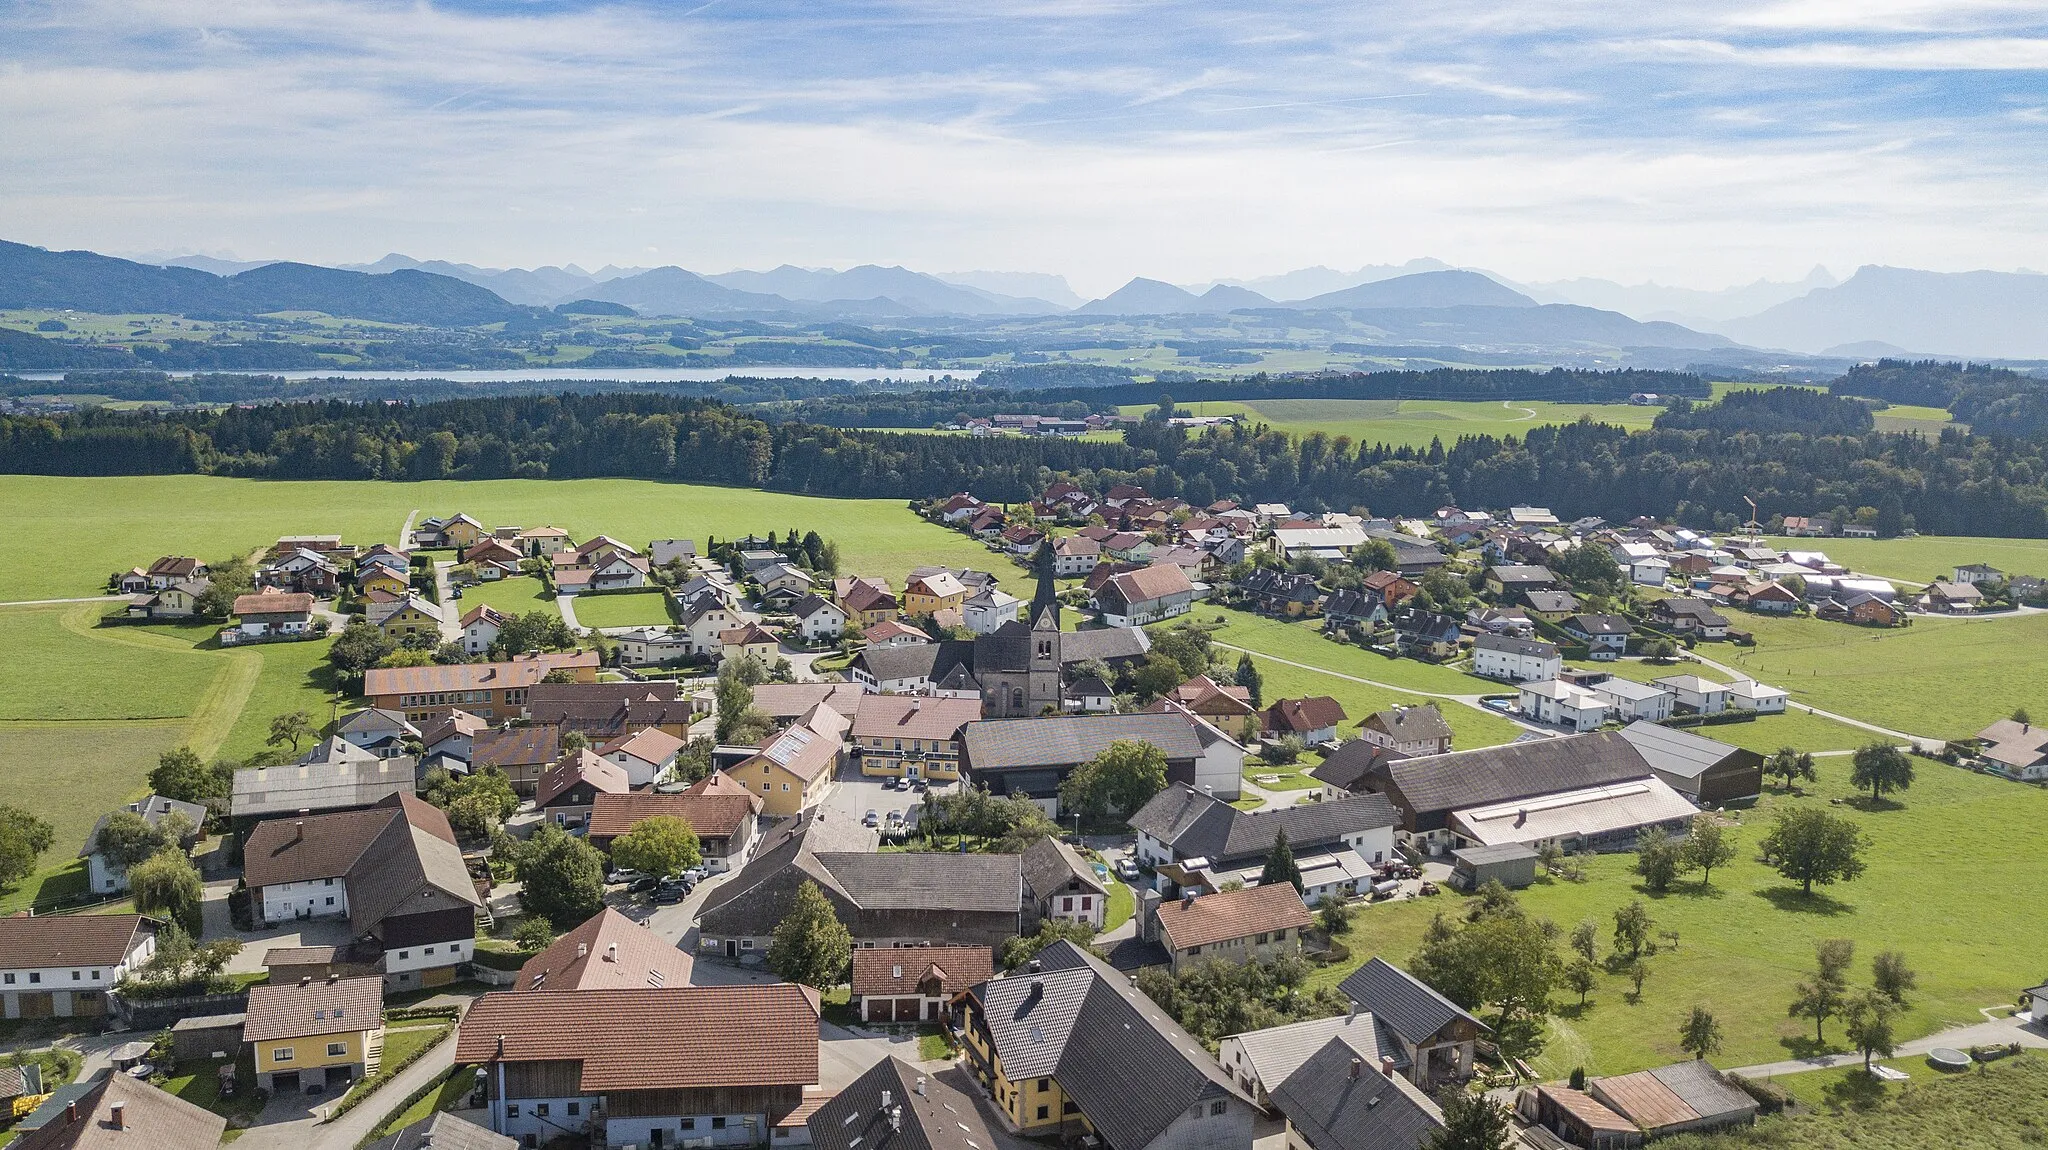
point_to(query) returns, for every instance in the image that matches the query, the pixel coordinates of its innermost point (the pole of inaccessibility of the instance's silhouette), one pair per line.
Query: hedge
(368, 1086)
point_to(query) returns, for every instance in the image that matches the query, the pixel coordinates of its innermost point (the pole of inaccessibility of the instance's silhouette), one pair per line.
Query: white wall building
(1563, 704)
(1515, 660)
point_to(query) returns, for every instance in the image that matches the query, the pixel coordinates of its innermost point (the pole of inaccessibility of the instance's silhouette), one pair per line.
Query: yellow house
(382, 578)
(911, 736)
(795, 770)
(315, 1032)
(414, 616)
(930, 594)
(865, 602)
(462, 533)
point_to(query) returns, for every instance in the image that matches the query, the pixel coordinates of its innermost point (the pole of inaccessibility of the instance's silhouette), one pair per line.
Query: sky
(1699, 144)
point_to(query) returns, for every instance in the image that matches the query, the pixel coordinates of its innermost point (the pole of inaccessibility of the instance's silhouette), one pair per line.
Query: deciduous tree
(562, 877)
(1632, 926)
(1810, 845)
(1659, 859)
(810, 945)
(1119, 780)
(1471, 1122)
(1708, 846)
(1890, 974)
(291, 727)
(662, 845)
(166, 884)
(23, 838)
(1881, 767)
(1790, 766)
(1700, 1034)
(1870, 1016)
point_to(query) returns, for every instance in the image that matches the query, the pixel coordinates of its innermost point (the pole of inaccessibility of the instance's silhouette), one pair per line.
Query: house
(1338, 1099)
(915, 984)
(1435, 1037)
(1750, 695)
(662, 552)
(380, 577)
(393, 871)
(118, 1112)
(1410, 730)
(1336, 843)
(818, 619)
(173, 569)
(1687, 617)
(1583, 792)
(1088, 693)
(1862, 608)
(538, 541)
(1226, 705)
(1767, 598)
(1550, 605)
(651, 646)
(1247, 924)
(1070, 1045)
(272, 614)
(1695, 695)
(105, 876)
(701, 618)
(1391, 586)
(1313, 720)
(607, 952)
(1515, 660)
(712, 1066)
(1427, 634)
(492, 691)
(896, 1106)
(1710, 773)
(1507, 580)
(1074, 555)
(1952, 598)
(1343, 770)
(787, 702)
(911, 666)
(2015, 749)
(1136, 598)
(1975, 573)
(380, 732)
(868, 603)
(783, 582)
(308, 571)
(795, 769)
(897, 899)
(912, 736)
(493, 559)
(749, 639)
(1348, 608)
(1563, 704)
(1063, 886)
(333, 776)
(930, 594)
(1032, 757)
(523, 753)
(603, 571)
(62, 966)
(1260, 1060)
(480, 625)
(457, 531)
(567, 791)
(1605, 636)
(646, 755)
(724, 814)
(1630, 701)
(178, 601)
(315, 1033)
(604, 711)
(412, 615)
(1282, 592)
(990, 608)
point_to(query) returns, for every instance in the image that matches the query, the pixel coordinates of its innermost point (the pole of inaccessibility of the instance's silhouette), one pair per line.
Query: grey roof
(1551, 600)
(1049, 865)
(917, 660)
(359, 779)
(1132, 1070)
(1341, 1102)
(408, 870)
(905, 880)
(1350, 764)
(444, 1131)
(1514, 573)
(1105, 643)
(1402, 1002)
(1701, 1087)
(1598, 625)
(1278, 1051)
(1676, 752)
(813, 603)
(154, 810)
(1202, 826)
(1536, 648)
(1514, 771)
(1065, 740)
(1406, 724)
(1702, 611)
(1496, 853)
(929, 1114)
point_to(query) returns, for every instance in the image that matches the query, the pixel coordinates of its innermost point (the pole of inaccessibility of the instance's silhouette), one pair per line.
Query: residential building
(62, 966)
(787, 702)
(1767, 598)
(523, 753)
(178, 601)
(916, 984)
(1336, 843)
(749, 639)
(1247, 924)
(1338, 1099)
(652, 646)
(1435, 1037)
(567, 791)
(1687, 617)
(818, 619)
(1032, 757)
(930, 594)
(783, 583)
(1710, 773)
(1260, 1060)
(990, 608)
(1136, 598)
(1348, 608)
(1764, 699)
(272, 614)
(1282, 593)
(896, 1106)
(725, 816)
(1550, 605)
(885, 900)
(701, 617)
(1063, 886)
(1952, 598)
(1511, 579)
(1695, 695)
(1073, 555)
(413, 614)
(315, 1033)
(1071, 1046)
(1515, 660)
(795, 769)
(1605, 636)
(1392, 587)
(1410, 730)
(104, 875)
(1343, 771)
(1562, 704)
(393, 871)
(493, 691)
(1225, 704)
(2015, 749)
(118, 1112)
(710, 1066)
(647, 756)
(170, 570)
(606, 711)
(1629, 701)
(442, 1130)
(480, 625)
(912, 736)
(307, 571)
(1427, 634)
(1314, 720)
(380, 732)
(607, 952)
(867, 603)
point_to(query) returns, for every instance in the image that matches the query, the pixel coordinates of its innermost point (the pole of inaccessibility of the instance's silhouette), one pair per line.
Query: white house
(1703, 696)
(1651, 572)
(819, 619)
(1515, 660)
(652, 646)
(1750, 695)
(104, 875)
(648, 755)
(1605, 636)
(62, 965)
(989, 609)
(1629, 701)
(1563, 704)
(1073, 555)
(480, 626)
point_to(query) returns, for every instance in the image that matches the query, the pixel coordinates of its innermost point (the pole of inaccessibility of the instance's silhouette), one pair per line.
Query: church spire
(1046, 598)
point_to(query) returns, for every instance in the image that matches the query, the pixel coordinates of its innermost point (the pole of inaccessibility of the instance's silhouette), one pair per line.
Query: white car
(1127, 869)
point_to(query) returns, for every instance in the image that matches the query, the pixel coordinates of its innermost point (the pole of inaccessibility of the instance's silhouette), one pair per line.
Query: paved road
(566, 604)
(56, 602)
(308, 1133)
(1471, 700)
(1918, 742)
(451, 607)
(1992, 1033)
(405, 532)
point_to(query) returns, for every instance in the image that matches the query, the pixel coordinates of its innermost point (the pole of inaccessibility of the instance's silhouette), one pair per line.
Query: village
(835, 861)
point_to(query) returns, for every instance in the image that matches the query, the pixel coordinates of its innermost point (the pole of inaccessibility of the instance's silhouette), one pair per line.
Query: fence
(155, 1014)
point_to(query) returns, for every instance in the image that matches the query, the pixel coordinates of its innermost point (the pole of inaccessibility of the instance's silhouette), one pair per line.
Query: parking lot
(855, 794)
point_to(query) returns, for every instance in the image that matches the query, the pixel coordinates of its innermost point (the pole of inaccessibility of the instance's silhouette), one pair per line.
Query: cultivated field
(66, 534)
(1924, 558)
(1414, 422)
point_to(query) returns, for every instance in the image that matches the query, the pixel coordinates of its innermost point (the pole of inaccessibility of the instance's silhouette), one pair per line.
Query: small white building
(1629, 701)
(1750, 695)
(648, 755)
(819, 619)
(1563, 704)
(1702, 696)
(1515, 660)
(1651, 572)
(989, 609)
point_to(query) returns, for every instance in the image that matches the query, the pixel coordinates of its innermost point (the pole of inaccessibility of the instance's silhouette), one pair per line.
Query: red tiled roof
(881, 973)
(648, 744)
(273, 603)
(914, 717)
(721, 815)
(1310, 714)
(653, 1039)
(1229, 914)
(1150, 583)
(608, 778)
(608, 951)
(67, 940)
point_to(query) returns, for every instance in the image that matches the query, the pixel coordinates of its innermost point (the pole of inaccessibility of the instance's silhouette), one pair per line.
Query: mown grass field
(1415, 422)
(53, 673)
(624, 609)
(66, 534)
(1997, 1107)
(1925, 558)
(514, 596)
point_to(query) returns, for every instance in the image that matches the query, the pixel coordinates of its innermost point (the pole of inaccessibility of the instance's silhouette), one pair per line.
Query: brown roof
(1642, 1099)
(648, 744)
(1587, 1109)
(455, 722)
(1229, 914)
(720, 784)
(608, 778)
(864, 596)
(273, 603)
(1310, 714)
(906, 970)
(653, 1039)
(719, 815)
(1151, 583)
(329, 845)
(748, 635)
(150, 1120)
(311, 1007)
(303, 955)
(524, 671)
(914, 717)
(517, 746)
(609, 951)
(483, 611)
(67, 940)
(785, 701)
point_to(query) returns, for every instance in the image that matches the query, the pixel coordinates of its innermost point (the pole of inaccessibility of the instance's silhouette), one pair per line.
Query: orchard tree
(23, 837)
(1632, 925)
(1870, 1016)
(1700, 1034)
(1659, 859)
(1890, 974)
(1811, 845)
(1883, 768)
(290, 728)
(1790, 766)
(1707, 847)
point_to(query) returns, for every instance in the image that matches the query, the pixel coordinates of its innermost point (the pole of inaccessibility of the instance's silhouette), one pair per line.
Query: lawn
(623, 609)
(1995, 1108)
(100, 525)
(1927, 557)
(1414, 422)
(452, 1091)
(198, 1082)
(515, 596)
(59, 669)
(1122, 904)
(1941, 678)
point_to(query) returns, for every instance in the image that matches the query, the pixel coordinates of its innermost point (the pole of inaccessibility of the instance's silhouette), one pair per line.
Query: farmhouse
(1136, 598)
(104, 875)
(606, 711)
(1435, 1038)
(1313, 720)
(915, 984)
(1335, 843)
(1410, 730)
(1248, 924)
(2015, 749)
(62, 966)
(1710, 773)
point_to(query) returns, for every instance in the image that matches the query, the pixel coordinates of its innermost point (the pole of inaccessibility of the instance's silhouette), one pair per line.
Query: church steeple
(1046, 598)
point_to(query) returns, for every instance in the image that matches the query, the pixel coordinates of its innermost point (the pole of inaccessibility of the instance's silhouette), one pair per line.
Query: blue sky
(1699, 144)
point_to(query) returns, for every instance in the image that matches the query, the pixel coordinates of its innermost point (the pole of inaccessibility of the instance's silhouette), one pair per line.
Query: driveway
(1998, 1032)
(216, 923)
(566, 604)
(451, 613)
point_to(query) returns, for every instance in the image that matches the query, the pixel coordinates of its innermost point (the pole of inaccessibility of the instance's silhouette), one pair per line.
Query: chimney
(920, 1086)
(1357, 1064)
(885, 1100)
(896, 1118)
(299, 831)
(1187, 899)
(1351, 1014)
(1522, 816)
(582, 949)
(71, 1111)
(333, 978)
(1036, 966)
(305, 980)
(117, 1115)
(501, 1046)
(1387, 1065)
(611, 952)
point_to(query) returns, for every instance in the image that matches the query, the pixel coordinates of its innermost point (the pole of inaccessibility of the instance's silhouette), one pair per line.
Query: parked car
(641, 885)
(621, 876)
(895, 818)
(920, 784)
(1127, 869)
(872, 819)
(671, 893)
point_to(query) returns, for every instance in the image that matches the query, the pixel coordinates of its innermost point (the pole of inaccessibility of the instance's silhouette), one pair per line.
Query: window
(281, 1054)
(1066, 904)
(330, 900)
(1220, 1106)
(336, 1049)
(405, 954)
(1069, 1108)
(76, 974)
(1087, 902)
(747, 944)
(95, 976)
(1262, 938)
(718, 1122)
(767, 788)
(575, 1108)
(785, 788)
(430, 950)
(10, 980)
(1044, 1084)
(689, 1124)
(1280, 935)
(1194, 950)
(511, 1109)
(1044, 1112)
(540, 1110)
(330, 882)
(34, 976)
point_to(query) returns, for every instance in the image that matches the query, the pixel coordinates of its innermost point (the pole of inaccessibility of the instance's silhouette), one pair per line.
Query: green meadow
(1925, 558)
(1414, 422)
